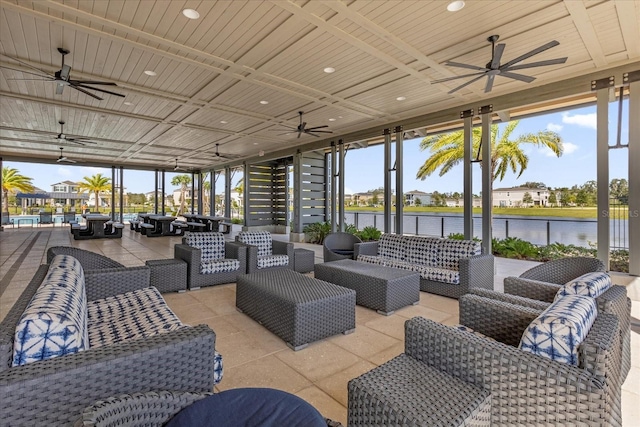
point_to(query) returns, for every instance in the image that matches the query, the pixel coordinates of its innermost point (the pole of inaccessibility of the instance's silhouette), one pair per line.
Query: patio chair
(337, 246)
(6, 219)
(68, 217)
(210, 259)
(45, 218)
(263, 252)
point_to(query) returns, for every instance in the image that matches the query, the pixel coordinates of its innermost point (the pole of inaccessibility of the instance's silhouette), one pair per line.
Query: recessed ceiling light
(332, 120)
(128, 103)
(191, 13)
(150, 73)
(255, 143)
(401, 98)
(339, 117)
(455, 6)
(224, 122)
(264, 102)
(329, 70)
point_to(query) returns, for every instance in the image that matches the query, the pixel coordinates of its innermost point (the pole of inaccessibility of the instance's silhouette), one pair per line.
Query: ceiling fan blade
(497, 54)
(531, 53)
(536, 64)
(489, 85)
(515, 76)
(282, 130)
(92, 82)
(317, 127)
(27, 72)
(37, 80)
(457, 77)
(85, 92)
(320, 131)
(59, 89)
(27, 64)
(461, 65)
(64, 73)
(465, 84)
(99, 90)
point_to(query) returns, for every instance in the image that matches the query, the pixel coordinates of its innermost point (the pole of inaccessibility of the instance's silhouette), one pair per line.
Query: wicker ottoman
(303, 260)
(168, 275)
(404, 391)
(381, 288)
(297, 308)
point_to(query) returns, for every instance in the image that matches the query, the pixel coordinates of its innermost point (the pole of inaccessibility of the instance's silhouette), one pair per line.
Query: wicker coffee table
(384, 289)
(297, 308)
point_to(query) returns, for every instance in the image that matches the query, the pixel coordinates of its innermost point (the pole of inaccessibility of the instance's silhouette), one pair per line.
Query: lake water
(537, 230)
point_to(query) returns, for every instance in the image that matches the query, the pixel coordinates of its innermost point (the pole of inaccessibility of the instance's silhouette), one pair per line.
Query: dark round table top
(249, 407)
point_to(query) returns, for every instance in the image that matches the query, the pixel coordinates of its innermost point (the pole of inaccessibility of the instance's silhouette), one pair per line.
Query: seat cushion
(211, 244)
(560, 329)
(372, 259)
(392, 246)
(590, 284)
(452, 250)
(272, 261)
(219, 266)
(261, 239)
(54, 323)
(422, 250)
(437, 274)
(138, 314)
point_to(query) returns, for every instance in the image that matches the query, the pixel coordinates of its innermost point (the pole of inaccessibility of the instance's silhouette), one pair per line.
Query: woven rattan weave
(168, 275)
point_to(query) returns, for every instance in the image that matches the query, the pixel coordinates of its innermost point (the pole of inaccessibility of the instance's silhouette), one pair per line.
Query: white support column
(467, 195)
(634, 174)
(487, 179)
(602, 167)
(399, 189)
(340, 191)
(387, 181)
(334, 165)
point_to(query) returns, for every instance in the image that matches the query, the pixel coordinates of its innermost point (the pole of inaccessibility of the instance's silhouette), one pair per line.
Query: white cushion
(560, 329)
(451, 251)
(272, 261)
(392, 246)
(422, 250)
(261, 239)
(219, 266)
(54, 323)
(590, 284)
(211, 244)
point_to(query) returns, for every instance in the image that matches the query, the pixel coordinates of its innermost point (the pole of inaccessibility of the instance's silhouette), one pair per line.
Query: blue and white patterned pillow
(211, 244)
(219, 266)
(54, 323)
(392, 246)
(560, 329)
(590, 284)
(272, 261)
(451, 251)
(261, 239)
(422, 250)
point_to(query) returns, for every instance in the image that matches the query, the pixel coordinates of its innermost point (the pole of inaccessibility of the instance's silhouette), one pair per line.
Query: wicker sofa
(109, 358)
(447, 267)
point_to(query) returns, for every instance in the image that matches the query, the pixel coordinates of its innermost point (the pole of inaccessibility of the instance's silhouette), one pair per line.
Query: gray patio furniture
(303, 260)
(45, 218)
(407, 392)
(55, 391)
(210, 259)
(380, 288)
(297, 308)
(68, 217)
(264, 253)
(168, 275)
(525, 388)
(6, 219)
(337, 246)
(89, 260)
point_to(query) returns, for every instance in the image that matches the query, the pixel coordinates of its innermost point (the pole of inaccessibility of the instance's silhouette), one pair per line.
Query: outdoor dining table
(162, 224)
(96, 224)
(212, 222)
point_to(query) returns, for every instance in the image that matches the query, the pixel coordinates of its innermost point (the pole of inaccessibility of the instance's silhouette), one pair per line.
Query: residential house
(66, 193)
(514, 197)
(417, 198)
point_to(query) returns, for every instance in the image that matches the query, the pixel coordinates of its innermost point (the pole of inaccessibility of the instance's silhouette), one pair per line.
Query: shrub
(460, 236)
(368, 234)
(316, 232)
(513, 247)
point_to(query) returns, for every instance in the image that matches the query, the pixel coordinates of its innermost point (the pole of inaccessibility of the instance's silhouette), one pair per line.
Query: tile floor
(254, 357)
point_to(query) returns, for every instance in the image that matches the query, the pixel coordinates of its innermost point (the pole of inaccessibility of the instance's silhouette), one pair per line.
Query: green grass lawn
(586, 212)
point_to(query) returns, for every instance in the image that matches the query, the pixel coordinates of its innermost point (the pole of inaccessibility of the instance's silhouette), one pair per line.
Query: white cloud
(554, 127)
(64, 171)
(569, 148)
(586, 120)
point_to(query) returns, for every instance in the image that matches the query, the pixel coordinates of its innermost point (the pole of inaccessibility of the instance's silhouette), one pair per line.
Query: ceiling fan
(64, 159)
(62, 137)
(62, 78)
(494, 68)
(218, 154)
(179, 168)
(302, 128)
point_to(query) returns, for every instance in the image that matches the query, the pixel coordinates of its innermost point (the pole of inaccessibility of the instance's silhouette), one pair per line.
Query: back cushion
(392, 246)
(422, 250)
(452, 250)
(54, 322)
(261, 239)
(211, 245)
(560, 329)
(590, 284)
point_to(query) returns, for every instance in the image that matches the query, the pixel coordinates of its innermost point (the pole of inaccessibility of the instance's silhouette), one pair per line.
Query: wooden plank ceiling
(213, 72)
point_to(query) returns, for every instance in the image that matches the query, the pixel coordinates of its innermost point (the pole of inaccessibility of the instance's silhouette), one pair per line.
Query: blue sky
(364, 166)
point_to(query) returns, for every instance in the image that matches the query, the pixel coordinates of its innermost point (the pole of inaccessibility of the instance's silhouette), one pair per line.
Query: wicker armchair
(264, 253)
(337, 246)
(55, 391)
(89, 260)
(225, 260)
(526, 389)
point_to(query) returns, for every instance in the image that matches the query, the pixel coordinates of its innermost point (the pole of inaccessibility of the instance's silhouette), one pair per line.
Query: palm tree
(240, 190)
(183, 181)
(448, 150)
(95, 184)
(13, 182)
